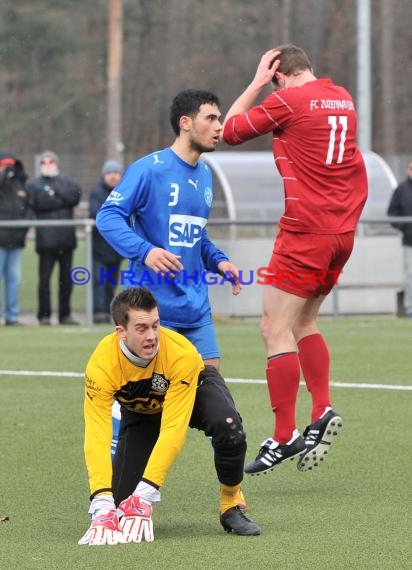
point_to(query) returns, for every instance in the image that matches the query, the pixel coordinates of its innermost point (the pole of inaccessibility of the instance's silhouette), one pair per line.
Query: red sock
(314, 360)
(283, 375)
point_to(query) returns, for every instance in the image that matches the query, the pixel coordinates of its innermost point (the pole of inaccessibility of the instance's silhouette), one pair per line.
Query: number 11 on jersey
(333, 122)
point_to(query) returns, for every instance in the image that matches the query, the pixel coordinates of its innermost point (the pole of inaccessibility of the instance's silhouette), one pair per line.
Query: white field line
(361, 385)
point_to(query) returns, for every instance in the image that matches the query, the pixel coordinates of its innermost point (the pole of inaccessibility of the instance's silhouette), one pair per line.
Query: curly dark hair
(187, 103)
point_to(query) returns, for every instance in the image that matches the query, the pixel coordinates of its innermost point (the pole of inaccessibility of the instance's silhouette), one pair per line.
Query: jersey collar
(134, 359)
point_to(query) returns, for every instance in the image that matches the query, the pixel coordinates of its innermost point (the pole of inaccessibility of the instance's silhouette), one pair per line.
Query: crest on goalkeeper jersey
(159, 384)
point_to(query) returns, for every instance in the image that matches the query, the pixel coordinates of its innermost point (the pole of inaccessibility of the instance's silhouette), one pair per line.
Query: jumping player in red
(313, 123)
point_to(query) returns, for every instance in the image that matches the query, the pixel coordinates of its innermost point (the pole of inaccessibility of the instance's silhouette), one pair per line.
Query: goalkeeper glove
(136, 519)
(104, 528)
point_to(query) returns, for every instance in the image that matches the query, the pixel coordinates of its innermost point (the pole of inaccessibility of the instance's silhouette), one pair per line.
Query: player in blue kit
(156, 217)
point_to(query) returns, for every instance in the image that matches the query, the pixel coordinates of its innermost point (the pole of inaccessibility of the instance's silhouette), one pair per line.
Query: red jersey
(315, 150)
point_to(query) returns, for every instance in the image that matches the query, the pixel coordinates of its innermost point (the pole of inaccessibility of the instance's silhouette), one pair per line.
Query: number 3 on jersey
(174, 194)
(333, 122)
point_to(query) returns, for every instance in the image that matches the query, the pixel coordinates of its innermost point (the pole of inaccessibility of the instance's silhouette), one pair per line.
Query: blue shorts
(204, 339)
(116, 416)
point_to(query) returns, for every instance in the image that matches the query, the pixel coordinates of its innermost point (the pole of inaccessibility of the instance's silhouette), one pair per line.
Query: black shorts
(214, 412)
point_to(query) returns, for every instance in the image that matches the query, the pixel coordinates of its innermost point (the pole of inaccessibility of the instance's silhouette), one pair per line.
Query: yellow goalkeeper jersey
(166, 385)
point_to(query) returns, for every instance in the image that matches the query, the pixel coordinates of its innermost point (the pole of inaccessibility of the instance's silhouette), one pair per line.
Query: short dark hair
(187, 103)
(292, 60)
(138, 298)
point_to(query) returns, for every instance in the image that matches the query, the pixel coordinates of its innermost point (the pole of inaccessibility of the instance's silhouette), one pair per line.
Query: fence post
(89, 264)
(335, 301)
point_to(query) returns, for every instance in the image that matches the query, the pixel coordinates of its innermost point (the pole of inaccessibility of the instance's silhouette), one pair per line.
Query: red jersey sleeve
(271, 114)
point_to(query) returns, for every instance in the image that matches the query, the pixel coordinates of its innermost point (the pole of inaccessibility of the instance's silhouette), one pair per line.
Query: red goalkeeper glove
(104, 528)
(136, 519)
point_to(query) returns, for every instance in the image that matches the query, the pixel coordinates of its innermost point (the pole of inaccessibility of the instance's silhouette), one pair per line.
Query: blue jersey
(162, 201)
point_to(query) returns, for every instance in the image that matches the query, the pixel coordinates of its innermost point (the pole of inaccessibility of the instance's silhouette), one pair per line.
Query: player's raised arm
(265, 72)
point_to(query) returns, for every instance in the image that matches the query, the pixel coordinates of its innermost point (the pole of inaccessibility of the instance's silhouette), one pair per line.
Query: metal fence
(230, 230)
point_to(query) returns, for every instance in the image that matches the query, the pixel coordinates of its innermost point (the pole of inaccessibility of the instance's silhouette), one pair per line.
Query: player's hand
(136, 520)
(267, 68)
(103, 530)
(231, 272)
(162, 261)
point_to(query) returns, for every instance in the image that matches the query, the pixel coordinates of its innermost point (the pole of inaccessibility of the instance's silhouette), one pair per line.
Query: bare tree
(114, 142)
(54, 66)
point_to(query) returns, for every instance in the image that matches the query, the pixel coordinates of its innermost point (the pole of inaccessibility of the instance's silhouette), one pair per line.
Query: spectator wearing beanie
(105, 259)
(54, 197)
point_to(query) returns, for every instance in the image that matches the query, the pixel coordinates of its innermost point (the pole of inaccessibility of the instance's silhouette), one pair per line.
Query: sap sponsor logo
(115, 197)
(185, 231)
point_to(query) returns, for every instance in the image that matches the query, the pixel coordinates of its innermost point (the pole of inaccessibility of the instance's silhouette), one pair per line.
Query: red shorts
(307, 265)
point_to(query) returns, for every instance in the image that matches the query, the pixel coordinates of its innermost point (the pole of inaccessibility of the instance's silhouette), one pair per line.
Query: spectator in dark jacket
(14, 205)
(106, 261)
(54, 197)
(401, 205)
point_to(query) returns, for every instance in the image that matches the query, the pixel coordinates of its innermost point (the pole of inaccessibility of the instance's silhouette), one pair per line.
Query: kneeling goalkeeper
(162, 385)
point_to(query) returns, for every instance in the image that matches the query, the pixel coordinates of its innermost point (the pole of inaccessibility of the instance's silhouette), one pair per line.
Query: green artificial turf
(353, 512)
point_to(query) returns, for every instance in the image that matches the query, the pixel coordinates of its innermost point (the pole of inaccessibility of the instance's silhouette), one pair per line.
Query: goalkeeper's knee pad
(228, 432)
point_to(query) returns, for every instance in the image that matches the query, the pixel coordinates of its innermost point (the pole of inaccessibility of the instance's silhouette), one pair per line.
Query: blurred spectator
(54, 197)
(14, 205)
(401, 205)
(105, 259)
